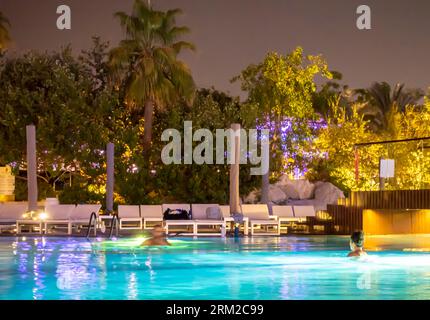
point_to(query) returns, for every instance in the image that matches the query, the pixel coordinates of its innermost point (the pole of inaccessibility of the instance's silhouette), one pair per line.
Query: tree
(334, 156)
(381, 101)
(331, 92)
(281, 89)
(62, 96)
(333, 150)
(147, 64)
(4, 32)
(205, 183)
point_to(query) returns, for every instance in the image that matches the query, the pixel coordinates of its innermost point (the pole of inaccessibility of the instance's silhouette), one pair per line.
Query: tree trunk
(265, 183)
(265, 188)
(147, 130)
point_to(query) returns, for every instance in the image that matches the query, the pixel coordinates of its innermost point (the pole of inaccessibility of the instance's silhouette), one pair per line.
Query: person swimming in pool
(356, 244)
(158, 238)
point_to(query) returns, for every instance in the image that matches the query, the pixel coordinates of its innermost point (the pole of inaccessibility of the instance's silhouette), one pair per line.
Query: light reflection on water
(251, 268)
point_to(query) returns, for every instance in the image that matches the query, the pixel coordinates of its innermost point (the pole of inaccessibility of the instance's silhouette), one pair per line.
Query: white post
(234, 172)
(31, 167)
(110, 165)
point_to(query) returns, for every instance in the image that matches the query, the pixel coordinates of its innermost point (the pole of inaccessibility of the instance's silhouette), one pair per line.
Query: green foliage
(156, 183)
(380, 101)
(412, 158)
(44, 189)
(70, 104)
(331, 92)
(80, 191)
(334, 146)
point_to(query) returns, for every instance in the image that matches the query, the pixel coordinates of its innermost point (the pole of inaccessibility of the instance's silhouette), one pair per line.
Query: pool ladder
(93, 224)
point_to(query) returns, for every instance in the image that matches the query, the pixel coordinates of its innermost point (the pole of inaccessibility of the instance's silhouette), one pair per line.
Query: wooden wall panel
(391, 199)
(375, 223)
(348, 216)
(421, 221)
(384, 222)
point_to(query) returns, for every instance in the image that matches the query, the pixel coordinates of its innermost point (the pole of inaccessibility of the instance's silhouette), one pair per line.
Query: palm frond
(147, 59)
(4, 31)
(182, 45)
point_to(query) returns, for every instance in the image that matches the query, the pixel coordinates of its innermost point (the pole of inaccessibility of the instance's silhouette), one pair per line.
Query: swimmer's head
(158, 232)
(357, 240)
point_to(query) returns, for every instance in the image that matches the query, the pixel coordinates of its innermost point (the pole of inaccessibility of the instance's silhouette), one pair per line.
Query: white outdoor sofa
(151, 214)
(129, 217)
(201, 219)
(10, 213)
(259, 217)
(285, 214)
(189, 224)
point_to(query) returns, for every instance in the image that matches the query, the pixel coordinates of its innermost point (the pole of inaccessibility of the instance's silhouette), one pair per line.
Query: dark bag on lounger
(176, 214)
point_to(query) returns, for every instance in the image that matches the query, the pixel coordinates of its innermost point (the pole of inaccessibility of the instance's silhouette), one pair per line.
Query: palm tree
(4, 32)
(146, 62)
(381, 101)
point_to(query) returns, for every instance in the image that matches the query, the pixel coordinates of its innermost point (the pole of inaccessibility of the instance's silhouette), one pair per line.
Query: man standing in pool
(356, 244)
(158, 238)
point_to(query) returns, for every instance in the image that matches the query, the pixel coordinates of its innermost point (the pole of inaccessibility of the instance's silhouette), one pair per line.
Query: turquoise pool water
(253, 268)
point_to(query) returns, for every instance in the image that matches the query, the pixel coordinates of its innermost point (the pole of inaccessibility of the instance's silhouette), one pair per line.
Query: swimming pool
(250, 268)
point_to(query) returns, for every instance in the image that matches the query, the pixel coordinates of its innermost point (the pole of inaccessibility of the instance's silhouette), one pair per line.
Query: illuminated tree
(278, 88)
(334, 150)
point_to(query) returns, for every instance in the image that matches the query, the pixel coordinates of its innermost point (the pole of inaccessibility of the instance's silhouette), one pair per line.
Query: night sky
(230, 34)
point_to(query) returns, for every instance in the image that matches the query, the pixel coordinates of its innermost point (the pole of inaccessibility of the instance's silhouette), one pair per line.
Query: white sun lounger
(81, 214)
(59, 215)
(186, 223)
(302, 212)
(10, 213)
(151, 213)
(284, 214)
(129, 217)
(199, 216)
(225, 210)
(258, 215)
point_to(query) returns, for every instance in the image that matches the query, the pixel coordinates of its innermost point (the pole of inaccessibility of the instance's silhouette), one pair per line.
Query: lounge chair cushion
(213, 213)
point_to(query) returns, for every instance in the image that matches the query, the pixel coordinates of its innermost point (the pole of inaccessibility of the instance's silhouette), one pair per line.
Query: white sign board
(386, 168)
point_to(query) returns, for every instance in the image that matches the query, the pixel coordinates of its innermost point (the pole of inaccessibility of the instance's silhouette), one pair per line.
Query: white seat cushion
(255, 211)
(151, 211)
(304, 211)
